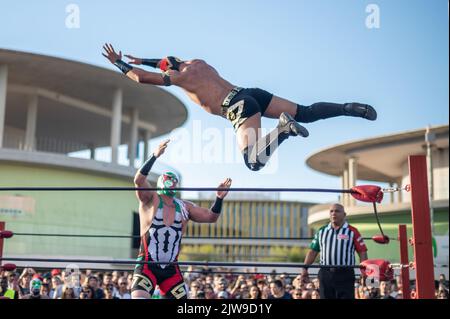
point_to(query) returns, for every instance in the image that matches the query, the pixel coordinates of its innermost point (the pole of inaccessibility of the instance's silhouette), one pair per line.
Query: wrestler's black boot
(258, 154)
(360, 110)
(288, 124)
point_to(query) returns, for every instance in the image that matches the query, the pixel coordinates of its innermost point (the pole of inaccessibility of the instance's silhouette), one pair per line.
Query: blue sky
(306, 51)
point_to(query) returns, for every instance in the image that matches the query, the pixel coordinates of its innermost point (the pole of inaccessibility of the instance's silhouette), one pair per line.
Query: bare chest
(204, 86)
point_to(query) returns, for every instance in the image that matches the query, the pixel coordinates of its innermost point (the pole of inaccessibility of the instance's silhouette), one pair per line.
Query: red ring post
(404, 260)
(421, 222)
(2, 228)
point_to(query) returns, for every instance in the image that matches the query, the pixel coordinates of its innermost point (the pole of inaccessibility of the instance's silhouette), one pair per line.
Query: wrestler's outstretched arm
(135, 74)
(204, 215)
(141, 76)
(154, 63)
(140, 179)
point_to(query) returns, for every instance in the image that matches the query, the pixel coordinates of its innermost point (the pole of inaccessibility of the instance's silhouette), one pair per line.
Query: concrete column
(3, 87)
(132, 146)
(430, 138)
(116, 122)
(391, 198)
(147, 137)
(400, 194)
(92, 151)
(352, 177)
(30, 134)
(344, 198)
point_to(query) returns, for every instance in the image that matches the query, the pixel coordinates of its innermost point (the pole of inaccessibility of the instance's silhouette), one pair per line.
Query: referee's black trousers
(337, 283)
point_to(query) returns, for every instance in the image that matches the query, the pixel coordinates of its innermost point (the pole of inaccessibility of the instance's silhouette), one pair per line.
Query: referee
(336, 243)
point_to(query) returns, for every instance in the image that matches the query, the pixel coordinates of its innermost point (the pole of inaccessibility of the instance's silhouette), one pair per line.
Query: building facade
(51, 109)
(275, 222)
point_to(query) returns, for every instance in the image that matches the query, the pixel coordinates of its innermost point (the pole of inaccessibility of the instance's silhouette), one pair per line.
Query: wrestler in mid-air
(243, 107)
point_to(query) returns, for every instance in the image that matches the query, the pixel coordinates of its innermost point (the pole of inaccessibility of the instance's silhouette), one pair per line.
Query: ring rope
(179, 263)
(378, 219)
(207, 272)
(184, 237)
(187, 189)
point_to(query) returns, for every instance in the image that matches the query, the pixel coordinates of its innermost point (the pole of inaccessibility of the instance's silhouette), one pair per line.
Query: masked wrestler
(163, 220)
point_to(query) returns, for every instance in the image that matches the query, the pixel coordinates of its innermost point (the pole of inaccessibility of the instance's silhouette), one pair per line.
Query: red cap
(56, 272)
(8, 267)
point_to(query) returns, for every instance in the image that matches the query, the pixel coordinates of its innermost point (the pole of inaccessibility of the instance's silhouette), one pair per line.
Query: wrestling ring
(421, 241)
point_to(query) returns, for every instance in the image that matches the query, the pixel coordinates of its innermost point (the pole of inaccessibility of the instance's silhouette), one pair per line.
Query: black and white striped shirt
(337, 246)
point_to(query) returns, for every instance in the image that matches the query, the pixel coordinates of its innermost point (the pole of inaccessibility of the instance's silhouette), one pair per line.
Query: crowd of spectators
(203, 284)
(283, 286)
(59, 284)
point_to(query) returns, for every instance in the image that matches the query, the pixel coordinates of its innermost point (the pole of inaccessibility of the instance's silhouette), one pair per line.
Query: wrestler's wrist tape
(147, 166)
(166, 78)
(217, 206)
(123, 66)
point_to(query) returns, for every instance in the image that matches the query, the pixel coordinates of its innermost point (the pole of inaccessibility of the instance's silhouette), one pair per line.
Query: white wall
(440, 175)
(14, 138)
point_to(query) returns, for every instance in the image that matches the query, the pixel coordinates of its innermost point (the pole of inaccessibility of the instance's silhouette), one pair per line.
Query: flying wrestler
(243, 107)
(163, 220)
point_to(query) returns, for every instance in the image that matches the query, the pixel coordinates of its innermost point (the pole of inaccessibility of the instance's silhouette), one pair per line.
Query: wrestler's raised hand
(133, 60)
(161, 148)
(111, 54)
(224, 184)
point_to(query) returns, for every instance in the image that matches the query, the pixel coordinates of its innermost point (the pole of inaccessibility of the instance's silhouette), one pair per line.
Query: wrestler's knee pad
(253, 165)
(142, 283)
(179, 291)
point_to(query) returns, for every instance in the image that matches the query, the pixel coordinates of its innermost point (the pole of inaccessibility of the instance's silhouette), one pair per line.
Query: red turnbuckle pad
(368, 193)
(380, 239)
(377, 268)
(6, 234)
